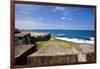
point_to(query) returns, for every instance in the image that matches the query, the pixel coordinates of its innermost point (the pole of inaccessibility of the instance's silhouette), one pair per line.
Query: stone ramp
(20, 50)
(53, 54)
(54, 50)
(56, 54)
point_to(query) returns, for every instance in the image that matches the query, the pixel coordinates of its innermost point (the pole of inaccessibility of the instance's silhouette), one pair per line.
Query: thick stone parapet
(91, 57)
(53, 55)
(58, 59)
(86, 52)
(32, 37)
(40, 36)
(21, 53)
(22, 38)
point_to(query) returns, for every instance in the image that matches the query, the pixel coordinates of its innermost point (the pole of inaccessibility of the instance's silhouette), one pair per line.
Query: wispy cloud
(25, 12)
(70, 12)
(63, 18)
(31, 24)
(52, 17)
(60, 8)
(57, 9)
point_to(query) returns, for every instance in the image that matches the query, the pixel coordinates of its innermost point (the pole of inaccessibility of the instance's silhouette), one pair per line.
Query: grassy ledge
(54, 41)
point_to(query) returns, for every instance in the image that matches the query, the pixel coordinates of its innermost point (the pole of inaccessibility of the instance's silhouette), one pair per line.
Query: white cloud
(56, 9)
(24, 24)
(31, 24)
(59, 8)
(63, 18)
(70, 12)
(24, 12)
(68, 18)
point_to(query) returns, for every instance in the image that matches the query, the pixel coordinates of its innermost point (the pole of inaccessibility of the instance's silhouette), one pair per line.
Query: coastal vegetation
(54, 41)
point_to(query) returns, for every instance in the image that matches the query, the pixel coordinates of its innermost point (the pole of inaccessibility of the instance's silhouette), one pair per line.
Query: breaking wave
(91, 41)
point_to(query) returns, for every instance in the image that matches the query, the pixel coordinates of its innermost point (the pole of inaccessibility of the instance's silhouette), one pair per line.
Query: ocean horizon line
(56, 29)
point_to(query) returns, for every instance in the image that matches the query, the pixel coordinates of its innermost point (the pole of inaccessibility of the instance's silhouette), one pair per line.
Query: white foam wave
(60, 34)
(76, 40)
(92, 38)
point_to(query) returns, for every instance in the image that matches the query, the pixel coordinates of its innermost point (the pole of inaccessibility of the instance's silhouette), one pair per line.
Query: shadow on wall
(22, 60)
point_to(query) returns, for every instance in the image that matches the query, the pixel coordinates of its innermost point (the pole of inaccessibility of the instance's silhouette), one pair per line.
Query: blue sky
(53, 17)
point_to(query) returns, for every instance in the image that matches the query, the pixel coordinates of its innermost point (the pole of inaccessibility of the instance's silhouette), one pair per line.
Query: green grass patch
(53, 41)
(42, 44)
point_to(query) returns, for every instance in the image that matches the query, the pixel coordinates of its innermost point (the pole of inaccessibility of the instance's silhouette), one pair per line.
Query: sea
(79, 36)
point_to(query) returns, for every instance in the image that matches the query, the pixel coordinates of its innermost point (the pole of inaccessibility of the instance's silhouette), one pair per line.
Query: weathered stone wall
(44, 38)
(23, 40)
(40, 38)
(85, 53)
(22, 59)
(91, 57)
(64, 59)
(18, 42)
